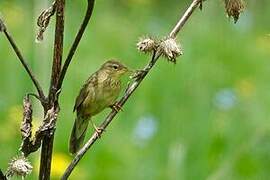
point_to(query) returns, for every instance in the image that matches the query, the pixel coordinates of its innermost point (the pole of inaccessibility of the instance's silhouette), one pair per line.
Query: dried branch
(184, 18)
(88, 14)
(47, 142)
(131, 88)
(58, 50)
(3, 28)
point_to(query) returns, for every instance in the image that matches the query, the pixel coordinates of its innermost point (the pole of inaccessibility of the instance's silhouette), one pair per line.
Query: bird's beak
(127, 70)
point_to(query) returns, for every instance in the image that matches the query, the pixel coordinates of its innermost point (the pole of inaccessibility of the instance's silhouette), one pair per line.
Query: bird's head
(115, 68)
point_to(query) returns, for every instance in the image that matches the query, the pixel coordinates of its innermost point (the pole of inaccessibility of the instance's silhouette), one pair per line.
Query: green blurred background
(207, 117)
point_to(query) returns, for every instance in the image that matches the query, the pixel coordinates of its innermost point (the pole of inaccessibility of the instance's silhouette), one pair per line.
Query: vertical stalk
(47, 143)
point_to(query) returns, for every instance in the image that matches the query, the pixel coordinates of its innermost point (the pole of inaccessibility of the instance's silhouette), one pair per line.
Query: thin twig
(23, 62)
(131, 88)
(47, 143)
(88, 14)
(184, 18)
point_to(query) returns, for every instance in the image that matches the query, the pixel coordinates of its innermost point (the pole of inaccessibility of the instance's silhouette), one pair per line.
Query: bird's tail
(78, 134)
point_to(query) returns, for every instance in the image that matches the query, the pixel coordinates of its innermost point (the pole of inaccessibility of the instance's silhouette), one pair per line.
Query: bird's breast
(106, 94)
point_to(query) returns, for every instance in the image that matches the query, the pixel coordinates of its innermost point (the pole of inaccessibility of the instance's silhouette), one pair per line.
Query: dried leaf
(44, 20)
(26, 126)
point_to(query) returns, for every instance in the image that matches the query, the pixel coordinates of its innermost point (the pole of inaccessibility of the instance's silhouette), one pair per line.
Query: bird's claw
(117, 107)
(99, 131)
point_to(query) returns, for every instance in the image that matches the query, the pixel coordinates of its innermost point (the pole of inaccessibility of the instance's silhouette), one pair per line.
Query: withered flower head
(234, 8)
(146, 44)
(19, 166)
(170, 49)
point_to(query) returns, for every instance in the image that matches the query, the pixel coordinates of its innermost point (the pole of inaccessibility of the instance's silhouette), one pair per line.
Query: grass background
(205, 118)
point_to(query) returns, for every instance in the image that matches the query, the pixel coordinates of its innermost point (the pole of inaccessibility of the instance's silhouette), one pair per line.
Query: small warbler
(99, 92)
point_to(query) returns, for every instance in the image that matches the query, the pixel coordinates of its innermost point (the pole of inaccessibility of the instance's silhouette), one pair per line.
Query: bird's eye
(115, 66)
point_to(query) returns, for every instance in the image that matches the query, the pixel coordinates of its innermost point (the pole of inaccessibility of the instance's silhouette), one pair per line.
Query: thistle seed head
(170, 49)
(146, 45)
(19, 166)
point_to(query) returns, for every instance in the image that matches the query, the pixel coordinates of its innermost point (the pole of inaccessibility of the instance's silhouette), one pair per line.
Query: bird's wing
(85, 90)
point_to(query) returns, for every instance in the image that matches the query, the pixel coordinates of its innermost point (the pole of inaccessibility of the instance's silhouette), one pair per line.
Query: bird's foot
(117, 107)
(98, 130)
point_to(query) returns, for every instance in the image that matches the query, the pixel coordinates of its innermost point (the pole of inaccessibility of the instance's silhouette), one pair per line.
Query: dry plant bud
(19, 166)
(146, 45)
(2, 25)
(44, 20)
(26, 125)
(170, 49)
(234, 8)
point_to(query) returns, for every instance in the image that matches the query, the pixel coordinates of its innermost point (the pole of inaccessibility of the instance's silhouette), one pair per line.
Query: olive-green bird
(99, 92)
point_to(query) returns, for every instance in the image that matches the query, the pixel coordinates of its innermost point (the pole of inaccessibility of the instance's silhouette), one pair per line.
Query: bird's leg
(116, 107)
(97, 129)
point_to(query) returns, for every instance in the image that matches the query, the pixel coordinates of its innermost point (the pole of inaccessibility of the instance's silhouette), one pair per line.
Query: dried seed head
(19, 166)
(146, 44)
(234, 8)
(170, 49)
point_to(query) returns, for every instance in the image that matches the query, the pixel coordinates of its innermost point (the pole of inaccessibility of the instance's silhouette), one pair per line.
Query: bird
(100, 91)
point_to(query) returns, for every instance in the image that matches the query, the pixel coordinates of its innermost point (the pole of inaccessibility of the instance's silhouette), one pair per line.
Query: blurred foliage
(205, 118)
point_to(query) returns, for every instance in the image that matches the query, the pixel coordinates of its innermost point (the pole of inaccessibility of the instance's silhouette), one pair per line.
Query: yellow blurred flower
(60, 162)
(245, 88)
